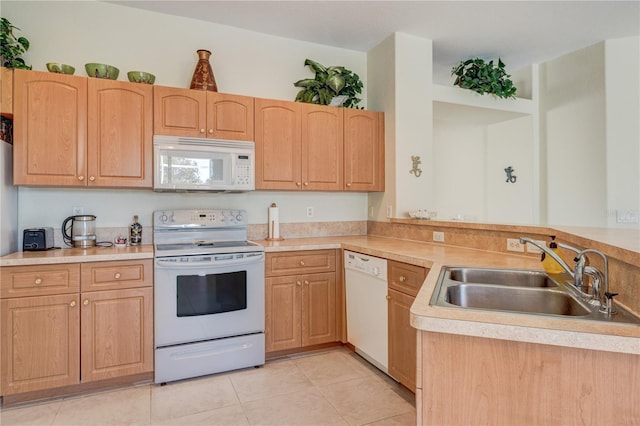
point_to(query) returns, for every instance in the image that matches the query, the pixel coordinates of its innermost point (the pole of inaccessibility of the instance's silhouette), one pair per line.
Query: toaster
(37, 239)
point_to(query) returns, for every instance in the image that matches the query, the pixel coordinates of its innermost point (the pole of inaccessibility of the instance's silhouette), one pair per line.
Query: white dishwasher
(366, 287)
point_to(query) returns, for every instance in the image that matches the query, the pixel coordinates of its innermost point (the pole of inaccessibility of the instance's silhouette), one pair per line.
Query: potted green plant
(12, 47)
(333, 85)
(484, 77)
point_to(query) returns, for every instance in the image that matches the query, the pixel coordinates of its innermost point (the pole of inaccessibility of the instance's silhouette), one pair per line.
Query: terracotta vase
(203, 77)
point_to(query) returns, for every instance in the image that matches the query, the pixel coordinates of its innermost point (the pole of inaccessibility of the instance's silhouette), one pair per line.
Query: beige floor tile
(307, 407)
(226, 416)
(332, 367)
(193, 396)
(275, 378)
(123, 407)
(407, 419)
(35, 414)
(362, 401)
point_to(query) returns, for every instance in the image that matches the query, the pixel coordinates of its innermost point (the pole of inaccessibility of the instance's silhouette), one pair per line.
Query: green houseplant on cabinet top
(12, 47)
(332, 85)
(484, 77)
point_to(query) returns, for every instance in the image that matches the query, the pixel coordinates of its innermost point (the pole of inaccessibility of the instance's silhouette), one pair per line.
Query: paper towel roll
(274, 222)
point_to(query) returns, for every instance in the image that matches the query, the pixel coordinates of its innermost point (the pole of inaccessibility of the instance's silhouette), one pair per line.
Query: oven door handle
(165, 263)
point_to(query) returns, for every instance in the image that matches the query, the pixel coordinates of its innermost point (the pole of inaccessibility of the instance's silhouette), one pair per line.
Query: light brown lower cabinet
(404, 282)
(58, 340)
(301, 308)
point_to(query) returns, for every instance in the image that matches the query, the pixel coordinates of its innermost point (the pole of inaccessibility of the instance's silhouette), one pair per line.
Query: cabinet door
(40, 339)
(179, 112)
(229, 117)
(278, 145)
(363, 150)
(282, 307)
(402, 340)
(318, 308)
(50, 129)
(117, 333)
(120, 138)
(322, 148)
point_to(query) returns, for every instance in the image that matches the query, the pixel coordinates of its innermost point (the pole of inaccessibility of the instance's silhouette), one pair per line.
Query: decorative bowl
(141, 77)
(60, 68)
(101, 71)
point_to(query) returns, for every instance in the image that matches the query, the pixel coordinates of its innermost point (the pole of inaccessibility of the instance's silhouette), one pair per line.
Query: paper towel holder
(270, 228)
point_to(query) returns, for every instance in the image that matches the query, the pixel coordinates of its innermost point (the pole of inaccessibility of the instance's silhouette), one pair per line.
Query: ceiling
(519, 32)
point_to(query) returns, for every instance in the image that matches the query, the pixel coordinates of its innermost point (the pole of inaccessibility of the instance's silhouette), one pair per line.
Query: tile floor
(332, 387)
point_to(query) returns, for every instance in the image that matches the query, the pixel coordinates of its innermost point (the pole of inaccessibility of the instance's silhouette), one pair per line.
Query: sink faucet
(600, 281)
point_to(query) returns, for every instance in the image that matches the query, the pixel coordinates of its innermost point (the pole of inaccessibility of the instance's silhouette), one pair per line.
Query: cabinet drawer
(116, 275)
(300, 262)
(405, 278)
(39, 280)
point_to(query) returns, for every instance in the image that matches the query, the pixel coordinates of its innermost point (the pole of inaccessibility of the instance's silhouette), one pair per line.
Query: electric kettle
(83, 231)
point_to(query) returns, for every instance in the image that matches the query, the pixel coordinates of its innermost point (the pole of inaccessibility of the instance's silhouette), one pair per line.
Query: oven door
(204, 297)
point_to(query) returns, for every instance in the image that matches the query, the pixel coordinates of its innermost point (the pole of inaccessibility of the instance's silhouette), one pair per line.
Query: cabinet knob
(306, 282)
(402, 278)
(73, 303)
(388, 297)
(210, 131)
(85, 302)
(298, 183)
(38, 281)
(302, 263)
(298, 283)
(80, 178)
(349, 185)
(306, 183)
(201, 130)
(116, 275)
(92, 178)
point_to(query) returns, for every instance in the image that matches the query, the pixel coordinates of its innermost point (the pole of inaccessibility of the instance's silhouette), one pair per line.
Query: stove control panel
(199, 218)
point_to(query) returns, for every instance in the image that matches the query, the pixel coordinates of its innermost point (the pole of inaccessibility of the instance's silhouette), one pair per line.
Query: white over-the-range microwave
(194, 164)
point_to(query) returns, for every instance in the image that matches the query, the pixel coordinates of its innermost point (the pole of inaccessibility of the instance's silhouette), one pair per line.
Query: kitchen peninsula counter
(541, 329)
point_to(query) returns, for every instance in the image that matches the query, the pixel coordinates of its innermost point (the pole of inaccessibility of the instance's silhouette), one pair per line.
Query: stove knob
(164, 218)
(239, 218)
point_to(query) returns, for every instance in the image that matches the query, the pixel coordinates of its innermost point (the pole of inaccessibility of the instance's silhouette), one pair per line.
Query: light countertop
(616, 337)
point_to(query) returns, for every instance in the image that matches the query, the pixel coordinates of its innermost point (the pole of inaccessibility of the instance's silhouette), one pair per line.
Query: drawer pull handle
(85, 302)
(302, 263)
(38, 281)
(73, 303)
(298, 283)
(117, 275)
(402, 278)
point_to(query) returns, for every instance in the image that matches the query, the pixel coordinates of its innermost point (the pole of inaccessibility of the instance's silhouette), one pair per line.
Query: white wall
(510, 143)
(244, 62)
(572, 105)
(623, 129)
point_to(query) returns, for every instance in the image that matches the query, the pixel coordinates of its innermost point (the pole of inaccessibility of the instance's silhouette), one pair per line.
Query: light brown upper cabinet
(202, 114)
(76, 131)
(298, 146)
(318, 148)
(363, 150)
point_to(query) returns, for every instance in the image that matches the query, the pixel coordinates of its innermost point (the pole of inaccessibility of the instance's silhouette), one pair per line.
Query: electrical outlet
(513, 244)
(533, 249)
(389, 211)
(438, 236)
(309, 211)
(76, 210)
(371, 212)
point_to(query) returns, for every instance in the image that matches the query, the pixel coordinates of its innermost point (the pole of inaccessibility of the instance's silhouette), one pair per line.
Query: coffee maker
(83, 231)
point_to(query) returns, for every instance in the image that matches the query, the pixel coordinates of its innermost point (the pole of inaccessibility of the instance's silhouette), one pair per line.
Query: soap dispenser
(550, 265)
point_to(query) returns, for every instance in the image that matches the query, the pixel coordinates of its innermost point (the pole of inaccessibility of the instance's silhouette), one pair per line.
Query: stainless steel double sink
(517, 291)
